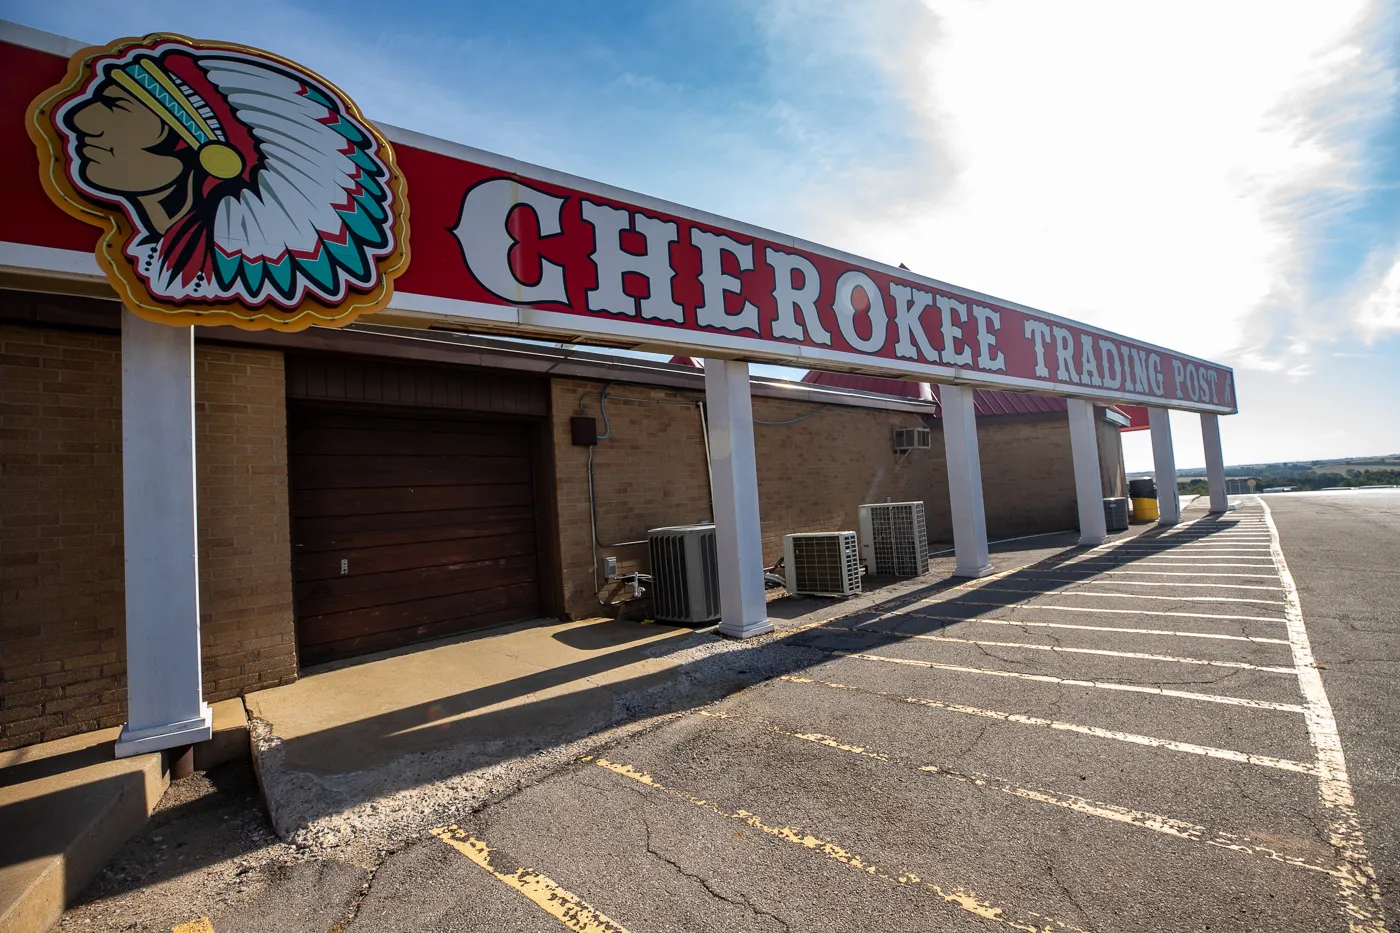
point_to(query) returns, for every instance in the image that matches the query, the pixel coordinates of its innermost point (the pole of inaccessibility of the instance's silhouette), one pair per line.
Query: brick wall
(62, 637)
(812, 474)
(1027, 475)
(651, 471)
(245, 572)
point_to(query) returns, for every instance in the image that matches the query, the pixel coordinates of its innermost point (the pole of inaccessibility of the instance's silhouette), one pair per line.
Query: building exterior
(273, 440)
(440, 469)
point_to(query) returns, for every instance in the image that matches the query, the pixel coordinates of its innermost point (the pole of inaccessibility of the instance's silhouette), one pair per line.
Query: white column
(1088, 484)
(738, 536)
(1215, 463)
(164, 684)
(964, 481)
(1164, 464)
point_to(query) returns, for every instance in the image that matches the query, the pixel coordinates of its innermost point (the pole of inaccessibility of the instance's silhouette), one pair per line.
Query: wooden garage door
(407, 526)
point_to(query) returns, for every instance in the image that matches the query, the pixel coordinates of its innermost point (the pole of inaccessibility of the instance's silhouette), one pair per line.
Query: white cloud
(1147, 168)
(1378, 312)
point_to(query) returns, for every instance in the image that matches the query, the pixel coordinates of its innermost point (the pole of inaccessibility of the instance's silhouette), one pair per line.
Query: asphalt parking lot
(1190, 730)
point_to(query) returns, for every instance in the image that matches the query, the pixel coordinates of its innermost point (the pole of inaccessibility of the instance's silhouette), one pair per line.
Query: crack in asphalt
(699, 879)
(1069, 896)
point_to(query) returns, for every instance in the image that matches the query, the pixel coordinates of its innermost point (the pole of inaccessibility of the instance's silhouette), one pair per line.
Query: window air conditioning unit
(822, 563)
(894, 538)
(684, 574)
(911, 439)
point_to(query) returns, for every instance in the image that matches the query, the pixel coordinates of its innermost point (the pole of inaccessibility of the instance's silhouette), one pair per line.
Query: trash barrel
(1145, 509)
(1142, 488)
(1115, 513)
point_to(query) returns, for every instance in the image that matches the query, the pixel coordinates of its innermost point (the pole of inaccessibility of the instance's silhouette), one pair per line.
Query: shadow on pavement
(493, 736)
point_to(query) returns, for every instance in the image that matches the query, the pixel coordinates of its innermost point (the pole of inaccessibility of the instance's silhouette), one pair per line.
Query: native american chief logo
(235, 186)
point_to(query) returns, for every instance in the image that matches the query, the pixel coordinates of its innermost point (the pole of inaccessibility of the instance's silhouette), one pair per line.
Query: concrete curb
(68, 806)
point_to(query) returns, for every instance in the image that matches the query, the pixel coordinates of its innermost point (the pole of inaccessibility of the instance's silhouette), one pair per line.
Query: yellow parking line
(565, 906)
(197, 925)
(963, 900)
(1143, 819)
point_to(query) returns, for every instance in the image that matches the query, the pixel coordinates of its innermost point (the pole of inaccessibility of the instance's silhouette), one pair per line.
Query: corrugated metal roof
(1137, 416)
(987, 401)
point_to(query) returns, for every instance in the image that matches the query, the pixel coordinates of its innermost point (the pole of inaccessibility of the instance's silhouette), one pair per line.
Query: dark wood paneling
(351, 379)
(407, 525)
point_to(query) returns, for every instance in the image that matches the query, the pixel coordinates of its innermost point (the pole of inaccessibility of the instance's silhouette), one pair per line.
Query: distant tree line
(1197, 487)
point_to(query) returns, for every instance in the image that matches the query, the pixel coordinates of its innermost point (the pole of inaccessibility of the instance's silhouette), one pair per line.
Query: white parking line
(1360, 895)
(1162, 563)
(1071, 682)
(1172, 599)
(1242, 555)
(1189, 573)
(1142, 819)
(1226, 586)
(1134, 612)
(1107, 628)
(1136, 655)
(1225, 754)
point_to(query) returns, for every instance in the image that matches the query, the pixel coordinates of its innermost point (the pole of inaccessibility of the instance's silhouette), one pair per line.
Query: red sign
(501, 242)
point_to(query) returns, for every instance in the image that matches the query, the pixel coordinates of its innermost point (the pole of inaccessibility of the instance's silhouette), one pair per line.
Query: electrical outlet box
(583, 431)
(610, 568)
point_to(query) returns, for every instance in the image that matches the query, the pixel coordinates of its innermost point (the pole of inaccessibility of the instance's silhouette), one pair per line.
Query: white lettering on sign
(612, 262)
(484, 234)
(1109, 351)
(527, 246)
(792, 298)
(1041, 332)
(717, 283)
(1064, 355)
(988, 356)
(954, 355)
(845, 307)
(909, 304)
(1087, 362)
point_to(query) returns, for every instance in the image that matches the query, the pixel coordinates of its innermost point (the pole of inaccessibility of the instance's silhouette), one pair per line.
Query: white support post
(164, 683)
(738, 535)
(1164, 464)
(1215, 463)
(964, 481)
(1088, 484)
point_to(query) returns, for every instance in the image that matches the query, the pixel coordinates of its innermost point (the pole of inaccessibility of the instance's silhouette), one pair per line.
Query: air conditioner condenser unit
(822, 563)
(684, 574)
(894, 538)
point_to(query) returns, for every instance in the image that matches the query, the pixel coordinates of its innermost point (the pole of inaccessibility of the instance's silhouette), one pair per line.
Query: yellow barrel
(1145, 510)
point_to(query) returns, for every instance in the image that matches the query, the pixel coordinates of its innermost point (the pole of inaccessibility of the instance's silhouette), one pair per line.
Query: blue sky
(1219, 178)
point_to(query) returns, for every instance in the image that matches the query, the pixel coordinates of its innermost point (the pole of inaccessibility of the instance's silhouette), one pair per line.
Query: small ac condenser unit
(684, 574)
(822, 563)
(906, 439)
(894, 538)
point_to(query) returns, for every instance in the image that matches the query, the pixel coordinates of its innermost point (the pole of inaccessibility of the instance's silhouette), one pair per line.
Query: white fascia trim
(41, 41)
(577, 329)
(69, 263)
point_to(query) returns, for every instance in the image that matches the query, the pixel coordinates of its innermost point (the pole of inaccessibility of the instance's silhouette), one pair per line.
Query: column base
(167, 735)
(746, 630)
(1167, 523)
(1092, 540)
(972, 573)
